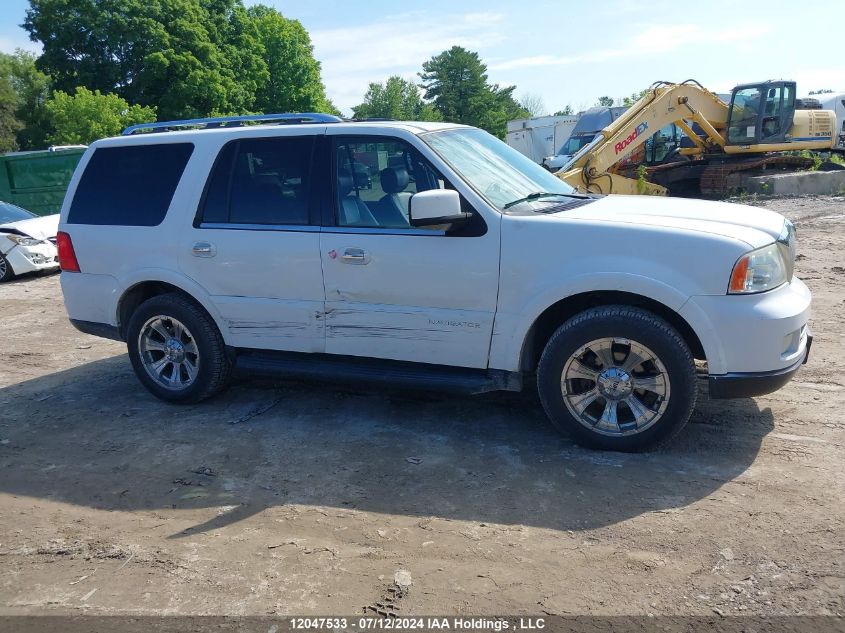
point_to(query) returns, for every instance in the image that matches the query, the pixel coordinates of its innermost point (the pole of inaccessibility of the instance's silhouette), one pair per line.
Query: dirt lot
(303, 498)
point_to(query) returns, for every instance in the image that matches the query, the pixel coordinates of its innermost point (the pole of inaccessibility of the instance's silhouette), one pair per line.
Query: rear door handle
(204, 249)
(355, 256)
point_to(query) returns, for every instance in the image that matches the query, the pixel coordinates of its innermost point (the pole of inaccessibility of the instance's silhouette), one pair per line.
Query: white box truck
(539, 137)
(836, 102)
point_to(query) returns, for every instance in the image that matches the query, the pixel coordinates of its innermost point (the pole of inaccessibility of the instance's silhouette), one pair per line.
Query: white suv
(459, 265)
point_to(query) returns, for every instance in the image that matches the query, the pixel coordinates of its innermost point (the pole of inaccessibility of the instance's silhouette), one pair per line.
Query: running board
(369, 371)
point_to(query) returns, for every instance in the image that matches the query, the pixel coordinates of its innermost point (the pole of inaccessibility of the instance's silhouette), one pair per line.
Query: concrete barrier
(810, 182)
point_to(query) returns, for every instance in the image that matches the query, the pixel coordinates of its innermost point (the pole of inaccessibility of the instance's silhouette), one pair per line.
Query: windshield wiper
(542, 194)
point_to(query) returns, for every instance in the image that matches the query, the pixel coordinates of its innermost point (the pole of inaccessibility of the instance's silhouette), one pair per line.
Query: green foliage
(605, 101)
(87, 116)
(456, 81)
(292, 81)
(567, 111)
(188, 58)
(635, 96)
(397, 99)
(10, 125)
(31, 89)
(642, 182)
(816, 158)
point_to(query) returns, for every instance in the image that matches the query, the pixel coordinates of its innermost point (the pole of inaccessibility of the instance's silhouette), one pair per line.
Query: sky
(564, 52)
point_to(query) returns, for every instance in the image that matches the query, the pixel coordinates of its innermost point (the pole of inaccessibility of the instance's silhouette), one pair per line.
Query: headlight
(758, 271)
(22, 240)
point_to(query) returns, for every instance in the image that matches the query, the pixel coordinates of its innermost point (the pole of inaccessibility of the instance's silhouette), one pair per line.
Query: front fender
(510, 329)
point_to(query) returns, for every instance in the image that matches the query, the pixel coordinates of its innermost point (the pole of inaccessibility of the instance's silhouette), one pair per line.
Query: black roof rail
(231, 121)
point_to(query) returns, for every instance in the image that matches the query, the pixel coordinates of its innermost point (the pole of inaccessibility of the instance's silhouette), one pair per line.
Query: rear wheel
(176, 350)
(617, 378)
(6, 272)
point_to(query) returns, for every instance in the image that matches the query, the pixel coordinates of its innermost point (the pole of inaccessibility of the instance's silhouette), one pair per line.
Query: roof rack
(231, 121)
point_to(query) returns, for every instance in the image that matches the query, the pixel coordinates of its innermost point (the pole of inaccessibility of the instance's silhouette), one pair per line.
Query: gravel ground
(280, 498)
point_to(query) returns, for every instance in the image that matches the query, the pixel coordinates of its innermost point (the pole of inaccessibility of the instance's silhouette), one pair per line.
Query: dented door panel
(423, 298)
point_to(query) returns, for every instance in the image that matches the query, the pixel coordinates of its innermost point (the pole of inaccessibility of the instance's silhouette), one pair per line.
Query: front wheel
(176, 350)
(6, 272)
(617, 378)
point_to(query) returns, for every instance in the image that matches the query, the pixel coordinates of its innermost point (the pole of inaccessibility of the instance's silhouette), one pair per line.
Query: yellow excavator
(762, 126)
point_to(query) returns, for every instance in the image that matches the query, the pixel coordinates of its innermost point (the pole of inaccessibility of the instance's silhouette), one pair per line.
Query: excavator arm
(664, 103)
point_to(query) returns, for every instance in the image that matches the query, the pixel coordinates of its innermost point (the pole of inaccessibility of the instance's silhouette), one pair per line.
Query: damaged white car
(27, 242)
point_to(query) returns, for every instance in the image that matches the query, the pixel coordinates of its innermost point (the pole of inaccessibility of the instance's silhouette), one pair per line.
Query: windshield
(11, 213)
(495, 170)
(573, 144)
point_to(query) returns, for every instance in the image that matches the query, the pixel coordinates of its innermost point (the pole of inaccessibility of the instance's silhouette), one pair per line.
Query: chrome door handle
(204, 249)
(355, 256)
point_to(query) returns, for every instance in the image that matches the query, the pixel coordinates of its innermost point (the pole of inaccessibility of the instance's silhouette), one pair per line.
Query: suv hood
(754, 226)
(42, 228)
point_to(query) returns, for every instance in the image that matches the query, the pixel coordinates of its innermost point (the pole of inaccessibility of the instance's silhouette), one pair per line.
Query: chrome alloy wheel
(615, 386)
(4, 268)
(168, 352)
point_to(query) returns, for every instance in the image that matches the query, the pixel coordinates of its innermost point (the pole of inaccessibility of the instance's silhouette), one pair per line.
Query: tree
(567, 111)
(292, 83)
(397, 99)
(605, 101)
(31, 90)
(635, 96)
(534, 104)
(87, 116)
(10, 125)
(186, 57)
(456, 81)
(153, 52)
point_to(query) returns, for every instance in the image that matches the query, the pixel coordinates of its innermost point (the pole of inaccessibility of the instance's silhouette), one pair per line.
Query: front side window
(745, 110)
(260, 181)
(495, 170)
(131, 185)
(375, 179)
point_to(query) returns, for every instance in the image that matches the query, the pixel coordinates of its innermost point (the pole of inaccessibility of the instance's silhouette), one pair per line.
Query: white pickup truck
(210, 245)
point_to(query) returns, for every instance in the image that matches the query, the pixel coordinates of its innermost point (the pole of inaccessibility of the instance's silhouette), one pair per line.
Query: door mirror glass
(435, 207)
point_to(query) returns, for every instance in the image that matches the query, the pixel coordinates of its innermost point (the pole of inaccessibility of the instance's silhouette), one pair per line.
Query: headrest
(394, 179)
(345, 183)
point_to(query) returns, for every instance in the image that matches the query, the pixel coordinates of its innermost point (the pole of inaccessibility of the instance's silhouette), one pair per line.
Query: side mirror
(436, 206)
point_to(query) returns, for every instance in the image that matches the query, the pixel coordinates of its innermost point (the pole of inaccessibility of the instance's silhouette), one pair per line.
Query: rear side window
(260, 181)
(129, 186)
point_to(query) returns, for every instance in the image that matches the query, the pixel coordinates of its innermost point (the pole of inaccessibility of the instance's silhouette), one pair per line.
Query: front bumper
(27, 259)
(750, 384)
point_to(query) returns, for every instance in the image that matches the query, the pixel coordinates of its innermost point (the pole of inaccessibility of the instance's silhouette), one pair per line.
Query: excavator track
(724, 178)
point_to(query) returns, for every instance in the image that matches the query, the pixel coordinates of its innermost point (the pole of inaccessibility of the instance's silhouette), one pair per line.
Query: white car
(27, 241)
(465, 267)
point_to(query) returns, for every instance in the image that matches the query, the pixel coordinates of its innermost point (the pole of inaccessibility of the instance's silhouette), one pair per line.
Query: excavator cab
(761, 113)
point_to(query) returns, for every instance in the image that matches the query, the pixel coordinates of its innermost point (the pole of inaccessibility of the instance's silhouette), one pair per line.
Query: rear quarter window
(129, 186)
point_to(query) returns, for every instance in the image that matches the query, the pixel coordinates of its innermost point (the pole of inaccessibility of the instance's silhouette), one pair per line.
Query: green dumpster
(37, 181)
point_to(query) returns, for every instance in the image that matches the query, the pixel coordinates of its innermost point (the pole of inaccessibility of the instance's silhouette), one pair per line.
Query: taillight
(67, 256)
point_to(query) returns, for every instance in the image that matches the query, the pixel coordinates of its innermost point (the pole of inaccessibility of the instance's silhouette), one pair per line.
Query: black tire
(7, 273)
(636, 325)
(214, 366)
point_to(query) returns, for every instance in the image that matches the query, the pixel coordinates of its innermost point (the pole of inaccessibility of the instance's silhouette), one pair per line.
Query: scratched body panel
(267, 286)
(420, 298)
(453, 337)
